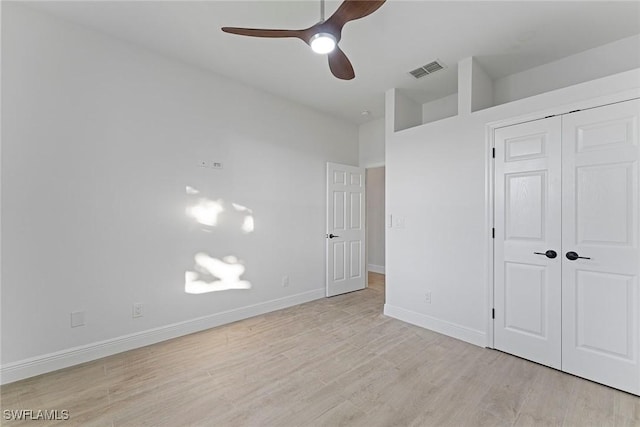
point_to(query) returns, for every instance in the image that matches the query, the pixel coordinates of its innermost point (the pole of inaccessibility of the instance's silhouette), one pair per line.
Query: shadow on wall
(211, 274)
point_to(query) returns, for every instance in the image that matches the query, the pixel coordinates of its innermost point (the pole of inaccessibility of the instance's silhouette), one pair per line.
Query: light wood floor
(331, 362)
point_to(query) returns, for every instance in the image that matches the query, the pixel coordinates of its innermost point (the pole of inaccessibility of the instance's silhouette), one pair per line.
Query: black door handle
(549, 254)
(331, 236)
(574, 256)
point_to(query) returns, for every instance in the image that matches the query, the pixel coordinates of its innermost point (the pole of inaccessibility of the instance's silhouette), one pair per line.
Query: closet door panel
(600, 295)
(527, 208)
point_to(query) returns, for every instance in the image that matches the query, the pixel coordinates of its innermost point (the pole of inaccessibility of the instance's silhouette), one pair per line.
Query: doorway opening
(375, 223)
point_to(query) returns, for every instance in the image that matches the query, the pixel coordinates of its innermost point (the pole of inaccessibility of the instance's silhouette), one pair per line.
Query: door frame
(490, 180)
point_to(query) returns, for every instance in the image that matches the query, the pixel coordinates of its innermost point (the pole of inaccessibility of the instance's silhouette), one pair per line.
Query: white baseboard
(462, 333)
(26, 368)
(375, 268)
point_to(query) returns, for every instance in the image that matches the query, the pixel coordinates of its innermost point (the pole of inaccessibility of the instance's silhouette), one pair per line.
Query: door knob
(331, 236)
(549, 254)
(574, 256)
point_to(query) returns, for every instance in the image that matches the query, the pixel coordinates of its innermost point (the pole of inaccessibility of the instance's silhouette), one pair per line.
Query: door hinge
(493, 313)
(493, 233)
(493, 152)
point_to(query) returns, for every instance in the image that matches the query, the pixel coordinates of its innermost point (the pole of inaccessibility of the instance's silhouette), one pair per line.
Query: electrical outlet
(427, 297)
(137, 310)
(77, 319)
(285, 281)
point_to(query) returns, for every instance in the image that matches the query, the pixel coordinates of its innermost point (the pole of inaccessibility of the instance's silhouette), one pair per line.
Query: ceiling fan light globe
(322, 43)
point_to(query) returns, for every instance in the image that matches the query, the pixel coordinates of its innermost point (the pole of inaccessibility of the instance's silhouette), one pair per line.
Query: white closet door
(527, 288)
(600, 298)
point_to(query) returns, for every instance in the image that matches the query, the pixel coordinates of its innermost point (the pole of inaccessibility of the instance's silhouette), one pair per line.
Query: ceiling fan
(324, 36)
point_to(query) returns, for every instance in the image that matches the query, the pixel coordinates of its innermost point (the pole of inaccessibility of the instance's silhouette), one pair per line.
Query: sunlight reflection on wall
(214, 275)
(206, 211)
(211, 274)
(247, 225)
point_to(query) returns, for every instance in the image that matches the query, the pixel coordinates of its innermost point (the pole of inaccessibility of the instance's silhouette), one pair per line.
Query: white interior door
(601, 300)
(346, 267)
(527, 287)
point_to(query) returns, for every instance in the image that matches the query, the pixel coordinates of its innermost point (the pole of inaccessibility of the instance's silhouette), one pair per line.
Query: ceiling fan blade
(256, 32)
(351, 10)
(340, 65)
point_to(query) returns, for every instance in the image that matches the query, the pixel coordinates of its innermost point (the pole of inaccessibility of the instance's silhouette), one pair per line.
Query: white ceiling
(505, 36)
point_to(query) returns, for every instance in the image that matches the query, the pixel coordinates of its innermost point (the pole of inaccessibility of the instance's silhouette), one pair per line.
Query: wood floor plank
(544, 405)
(458, 401)
(368, 384)
(343, 415)
(309, 408)
(627, 406)
(506, 397)
(592, 405)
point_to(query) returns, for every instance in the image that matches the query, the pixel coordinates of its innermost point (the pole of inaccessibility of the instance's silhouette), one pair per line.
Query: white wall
(612, 58)
(436, 190)
(99, 141)
(440, 108)
(371, 143)
(482, 88)
(407, 113)
(375, 219)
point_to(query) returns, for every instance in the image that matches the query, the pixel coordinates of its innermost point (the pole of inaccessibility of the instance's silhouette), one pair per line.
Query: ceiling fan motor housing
(322, 42)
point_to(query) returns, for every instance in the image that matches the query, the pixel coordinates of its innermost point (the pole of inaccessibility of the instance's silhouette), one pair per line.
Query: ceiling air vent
(430, 68)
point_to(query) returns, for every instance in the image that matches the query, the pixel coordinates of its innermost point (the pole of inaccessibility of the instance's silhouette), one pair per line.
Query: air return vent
(430, 68)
